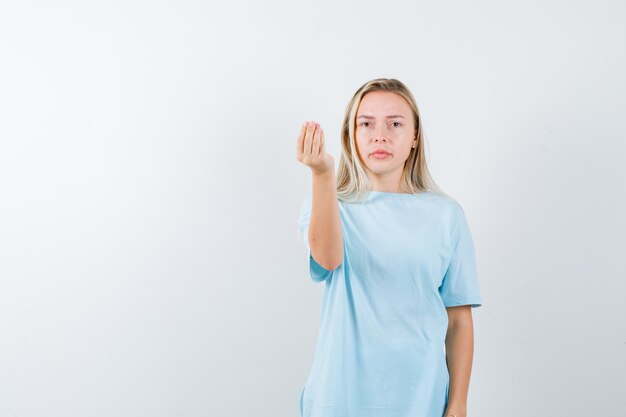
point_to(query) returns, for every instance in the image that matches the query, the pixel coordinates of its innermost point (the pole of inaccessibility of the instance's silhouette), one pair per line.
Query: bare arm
(325, 238)
(459, 356)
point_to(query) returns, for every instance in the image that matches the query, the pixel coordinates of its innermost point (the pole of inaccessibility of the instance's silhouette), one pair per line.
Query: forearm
(459, 356)
(325, 238)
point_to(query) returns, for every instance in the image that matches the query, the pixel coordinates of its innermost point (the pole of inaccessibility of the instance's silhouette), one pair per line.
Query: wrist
(323, 175)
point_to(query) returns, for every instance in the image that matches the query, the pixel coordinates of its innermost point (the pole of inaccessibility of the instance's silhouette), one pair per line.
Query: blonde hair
(353, 183)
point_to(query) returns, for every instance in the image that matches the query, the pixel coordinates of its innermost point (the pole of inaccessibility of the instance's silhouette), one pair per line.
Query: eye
(365, 124)
(396, 124)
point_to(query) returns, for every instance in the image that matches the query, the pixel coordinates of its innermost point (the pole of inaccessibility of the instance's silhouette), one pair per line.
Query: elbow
(332, 264)
(329, 255)
(328, 261)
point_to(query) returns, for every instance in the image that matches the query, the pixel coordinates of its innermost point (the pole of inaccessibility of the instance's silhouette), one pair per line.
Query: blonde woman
(396, 256)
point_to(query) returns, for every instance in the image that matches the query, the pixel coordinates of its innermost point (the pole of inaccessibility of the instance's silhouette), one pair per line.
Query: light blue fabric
(383, 320)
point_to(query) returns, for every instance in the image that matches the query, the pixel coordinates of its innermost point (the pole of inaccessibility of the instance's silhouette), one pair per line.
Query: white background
(149, 194)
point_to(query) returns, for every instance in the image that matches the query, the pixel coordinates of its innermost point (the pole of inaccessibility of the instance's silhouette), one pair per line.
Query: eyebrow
(393, 116)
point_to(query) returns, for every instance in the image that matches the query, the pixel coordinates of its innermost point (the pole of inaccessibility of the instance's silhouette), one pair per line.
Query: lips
(381, 152)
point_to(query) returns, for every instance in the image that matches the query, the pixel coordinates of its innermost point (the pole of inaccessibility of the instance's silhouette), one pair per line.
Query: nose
(380, 134)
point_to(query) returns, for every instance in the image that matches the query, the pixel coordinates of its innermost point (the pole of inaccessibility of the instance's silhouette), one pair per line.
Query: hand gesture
(311, 150)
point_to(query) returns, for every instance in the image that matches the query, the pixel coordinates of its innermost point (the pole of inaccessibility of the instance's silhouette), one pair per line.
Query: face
(385, 123)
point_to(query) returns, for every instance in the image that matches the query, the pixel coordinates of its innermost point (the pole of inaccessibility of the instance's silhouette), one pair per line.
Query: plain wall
(149, 195)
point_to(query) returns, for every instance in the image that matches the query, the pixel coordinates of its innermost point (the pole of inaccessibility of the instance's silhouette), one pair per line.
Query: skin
(384, 120)
(459, 355)
(325, 235)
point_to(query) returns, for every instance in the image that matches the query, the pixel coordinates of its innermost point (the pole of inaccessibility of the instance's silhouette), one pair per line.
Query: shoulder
(447, 204)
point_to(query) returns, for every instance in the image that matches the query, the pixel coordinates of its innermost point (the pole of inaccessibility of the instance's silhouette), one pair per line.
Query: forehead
(383, 102)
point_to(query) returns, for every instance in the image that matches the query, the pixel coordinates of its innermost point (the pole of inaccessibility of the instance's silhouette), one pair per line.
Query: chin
(381, 169)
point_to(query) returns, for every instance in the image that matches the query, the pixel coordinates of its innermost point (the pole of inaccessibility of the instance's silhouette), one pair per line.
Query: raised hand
(311, 150)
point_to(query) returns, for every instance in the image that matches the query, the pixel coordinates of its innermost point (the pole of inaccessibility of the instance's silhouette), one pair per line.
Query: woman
(398, 262)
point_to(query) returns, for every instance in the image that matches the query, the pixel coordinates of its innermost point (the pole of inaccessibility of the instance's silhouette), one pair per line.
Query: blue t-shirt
(383, 322)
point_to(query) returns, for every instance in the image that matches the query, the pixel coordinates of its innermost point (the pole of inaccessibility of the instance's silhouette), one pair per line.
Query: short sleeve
(316, 271)
(460, 283)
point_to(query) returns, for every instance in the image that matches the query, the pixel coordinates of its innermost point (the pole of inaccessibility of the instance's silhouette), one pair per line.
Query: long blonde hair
(353, 183)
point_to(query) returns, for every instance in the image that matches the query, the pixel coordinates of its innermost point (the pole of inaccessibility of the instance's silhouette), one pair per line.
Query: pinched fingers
(309, 139)
(300, 142)
(317, 141)
(309, 135)
(306, 142)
